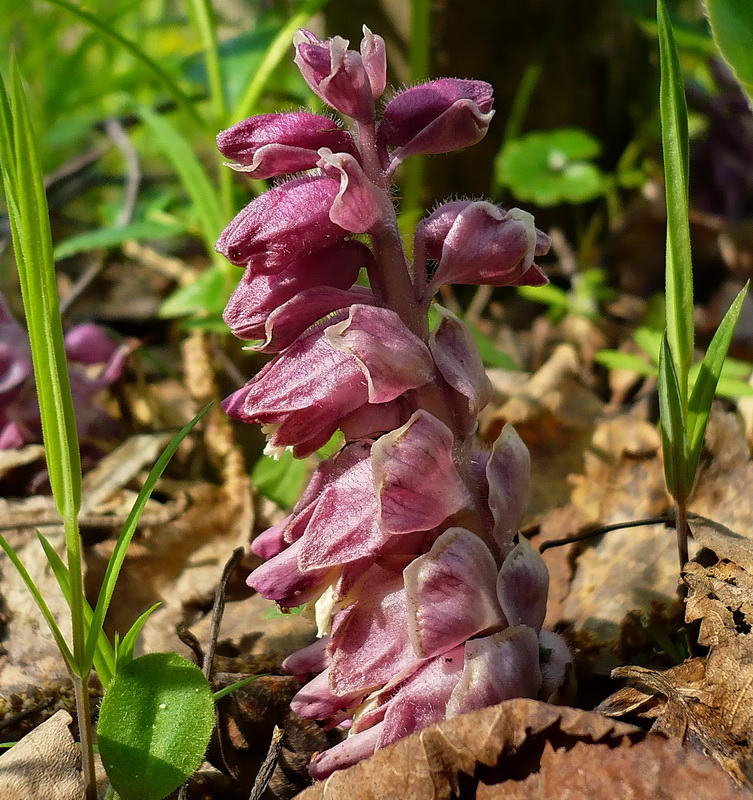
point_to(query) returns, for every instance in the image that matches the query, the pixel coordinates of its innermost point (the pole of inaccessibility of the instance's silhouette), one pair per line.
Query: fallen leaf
(44, 765)
(528, 749)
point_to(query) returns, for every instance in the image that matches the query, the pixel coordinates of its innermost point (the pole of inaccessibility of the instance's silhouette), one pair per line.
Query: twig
(190, 641)
(667, 519)
(268, 767)
(478, 303)
(218, 610)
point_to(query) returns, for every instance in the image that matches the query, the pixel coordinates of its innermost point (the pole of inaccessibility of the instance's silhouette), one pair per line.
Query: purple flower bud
(478, 242)
(275, 144)
(374, 56)
(508, 472)
(523, 585)
(336, 74)
(357, 207)
(437, 117)
(290, 220)
(15, 355)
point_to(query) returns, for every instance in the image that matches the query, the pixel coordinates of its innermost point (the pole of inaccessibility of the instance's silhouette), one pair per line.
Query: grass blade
(674, 132)
(233, 687)
(276, 51)
(126, 534)
(41, 604)
(180, 97)
(126, 647)
(110, 237)
(671, 422)
(699, 405)
(203, 19)
(197, 184)
(104, 657)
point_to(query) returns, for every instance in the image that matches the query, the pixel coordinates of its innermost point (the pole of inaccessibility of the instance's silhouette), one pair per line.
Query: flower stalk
(405, 543)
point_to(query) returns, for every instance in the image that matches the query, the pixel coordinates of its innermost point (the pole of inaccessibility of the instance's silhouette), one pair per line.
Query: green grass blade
(233, 687)
(674, 132)
(203, 19)
(276, 51)
(617, 359)
(110, 237)
(699, 405)
(732, 27)
(671, 422)
(104, 657)
(180, 97)
(126, 534)
(41, 604)
(126, 647)
(202, 193)
(32, 244)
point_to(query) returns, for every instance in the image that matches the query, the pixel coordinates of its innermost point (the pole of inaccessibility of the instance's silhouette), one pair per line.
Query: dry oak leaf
(533, 750)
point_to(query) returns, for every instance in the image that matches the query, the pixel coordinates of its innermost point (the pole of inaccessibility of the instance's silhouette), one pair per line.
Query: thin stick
(218, 610)
(666, 519)
(268, 767)
(83, 710)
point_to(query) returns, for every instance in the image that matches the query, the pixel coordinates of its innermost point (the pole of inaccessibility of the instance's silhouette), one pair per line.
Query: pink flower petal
(451, 593)
(357, 207)
(415, 476)
(508, 473)
(523, 585)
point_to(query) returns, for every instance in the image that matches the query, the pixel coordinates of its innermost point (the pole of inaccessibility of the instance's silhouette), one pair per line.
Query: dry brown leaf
(528, 749)
(44, 765)
(707, 702)
(11, 459)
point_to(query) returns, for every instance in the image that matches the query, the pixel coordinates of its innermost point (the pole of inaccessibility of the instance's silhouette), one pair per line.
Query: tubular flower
(405, 543)
(94, 362)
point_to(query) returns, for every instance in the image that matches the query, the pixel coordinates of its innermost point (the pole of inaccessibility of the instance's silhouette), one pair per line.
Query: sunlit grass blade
(233, 687)
(671, 422)
(125, 648)
(203, 19)
(674, 132)
(104, 656)
(280, 46)
(110, 237)
(126, 534)
(193, 176)
(180, 97)
(32, 244)
(41, 604)
(702, 395)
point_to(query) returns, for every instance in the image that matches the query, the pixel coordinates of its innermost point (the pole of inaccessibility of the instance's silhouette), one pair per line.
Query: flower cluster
(404, 543)
(94, 362)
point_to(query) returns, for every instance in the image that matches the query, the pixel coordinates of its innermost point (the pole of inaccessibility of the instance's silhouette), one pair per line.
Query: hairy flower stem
(83, 711)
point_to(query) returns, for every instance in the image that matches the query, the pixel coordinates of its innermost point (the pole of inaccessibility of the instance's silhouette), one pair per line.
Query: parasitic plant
(405, 543)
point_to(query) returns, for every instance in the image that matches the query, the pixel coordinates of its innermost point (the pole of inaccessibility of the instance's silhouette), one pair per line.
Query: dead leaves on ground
(528, 750)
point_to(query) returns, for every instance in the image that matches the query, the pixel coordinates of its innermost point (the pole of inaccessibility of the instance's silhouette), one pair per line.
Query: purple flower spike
(283, 223)
(437, 117)
(275, 144)
(404, 545)
(336, 74)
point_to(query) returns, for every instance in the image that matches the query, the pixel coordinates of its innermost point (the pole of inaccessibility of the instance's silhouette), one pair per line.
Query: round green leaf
(552, 167)
(154, 725)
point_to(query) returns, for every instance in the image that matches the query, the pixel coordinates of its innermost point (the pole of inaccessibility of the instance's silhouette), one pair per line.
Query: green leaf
(109, 237)
(125, 648)
(548, 295)
(732, 27)
(551, 167)
(616, 359)
(490, 354)
(104, 657)
(672, 424)
(154, 725)
(126, 534)
(277, 50)
(206, 296)
(649, 341)
(44, 609)
(202, 193)
(679, 270)
(281, 480)
(699, 404)
(733, 389)
(107, 30)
